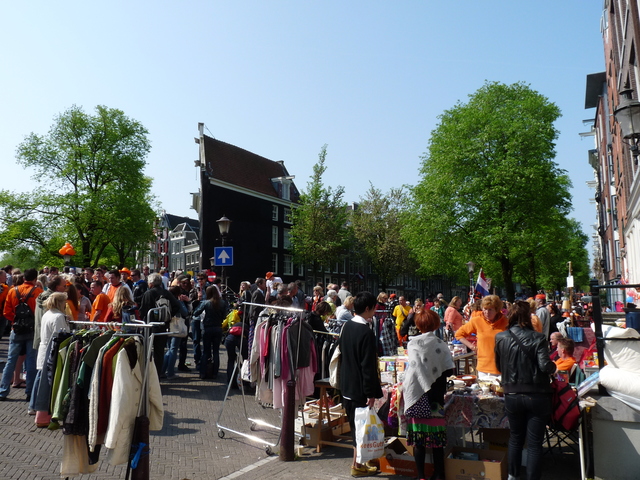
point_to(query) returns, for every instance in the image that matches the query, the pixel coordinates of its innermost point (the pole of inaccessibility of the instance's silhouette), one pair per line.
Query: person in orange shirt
(565, 360)
(4, 290)
(486, 325)
(100, 304)
(28, 292)
(115, 282)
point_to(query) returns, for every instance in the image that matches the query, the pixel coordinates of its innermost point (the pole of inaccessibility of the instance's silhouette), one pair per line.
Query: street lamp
(224, 225)
(628, 117)
(470, 268)
(67, 251)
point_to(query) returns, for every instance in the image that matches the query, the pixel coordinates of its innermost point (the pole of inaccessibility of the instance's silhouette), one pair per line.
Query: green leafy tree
(91, 187)
(488, 184)
(319, 235)
(376, 227)
(560, 242)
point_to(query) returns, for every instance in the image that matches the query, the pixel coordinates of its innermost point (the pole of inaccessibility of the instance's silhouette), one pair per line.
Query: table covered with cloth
(475, 411)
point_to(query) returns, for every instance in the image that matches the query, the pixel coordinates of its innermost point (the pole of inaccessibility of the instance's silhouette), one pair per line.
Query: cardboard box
(312, 433)
(491, 464)
(398, 459)
(496, 438)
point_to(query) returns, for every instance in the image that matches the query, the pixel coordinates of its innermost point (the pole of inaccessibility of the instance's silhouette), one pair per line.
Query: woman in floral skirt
(424, 386)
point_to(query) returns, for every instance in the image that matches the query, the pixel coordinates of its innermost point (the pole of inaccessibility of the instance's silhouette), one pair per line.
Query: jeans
(196, 336)
(3, 325)
(211, 339)
(232, 342)
(34, 394)
(16, 344)
(528, 415)
(182, 352)
(169, 364)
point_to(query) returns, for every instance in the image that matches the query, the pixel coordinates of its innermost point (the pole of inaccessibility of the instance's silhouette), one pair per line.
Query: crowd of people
(511, 340)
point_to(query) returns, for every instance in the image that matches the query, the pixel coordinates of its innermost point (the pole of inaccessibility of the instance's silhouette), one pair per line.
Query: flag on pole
(483, 285)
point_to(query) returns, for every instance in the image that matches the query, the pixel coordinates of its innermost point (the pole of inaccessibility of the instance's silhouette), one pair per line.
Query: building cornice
(249, 192)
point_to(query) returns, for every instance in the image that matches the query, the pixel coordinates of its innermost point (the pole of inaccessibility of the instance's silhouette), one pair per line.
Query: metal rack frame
(254, 422)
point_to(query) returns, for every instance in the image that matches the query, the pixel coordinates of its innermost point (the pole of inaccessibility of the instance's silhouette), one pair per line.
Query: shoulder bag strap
(527, 352)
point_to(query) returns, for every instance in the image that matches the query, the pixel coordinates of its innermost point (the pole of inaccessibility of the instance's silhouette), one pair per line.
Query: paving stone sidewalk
(189, 446)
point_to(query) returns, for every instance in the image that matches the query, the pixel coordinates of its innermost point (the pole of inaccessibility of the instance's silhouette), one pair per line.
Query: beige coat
(125, 399)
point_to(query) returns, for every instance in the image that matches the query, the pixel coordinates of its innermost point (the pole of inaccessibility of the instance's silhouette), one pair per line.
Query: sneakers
(31, 411)
(363, 471)
(183, 368)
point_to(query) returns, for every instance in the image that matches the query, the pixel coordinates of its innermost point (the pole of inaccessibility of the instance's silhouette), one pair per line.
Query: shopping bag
(369, 435)
(178, 327)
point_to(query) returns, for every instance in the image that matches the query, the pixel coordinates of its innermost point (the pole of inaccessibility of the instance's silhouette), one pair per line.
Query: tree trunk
(507, 275)
(532, 272)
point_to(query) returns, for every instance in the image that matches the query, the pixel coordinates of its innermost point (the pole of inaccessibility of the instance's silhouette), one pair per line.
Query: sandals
(22, 384)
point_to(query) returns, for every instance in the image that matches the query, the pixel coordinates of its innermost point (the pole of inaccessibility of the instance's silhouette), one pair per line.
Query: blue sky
(282, 78)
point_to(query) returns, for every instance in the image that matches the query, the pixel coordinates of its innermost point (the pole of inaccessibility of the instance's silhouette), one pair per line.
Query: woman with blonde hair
(53, 321)
(486, 325)
(535, 320)
(121, 306)
(318, 296)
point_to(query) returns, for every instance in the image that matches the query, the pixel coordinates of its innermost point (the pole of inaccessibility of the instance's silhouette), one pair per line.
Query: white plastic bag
(334, 368)
(369, 435)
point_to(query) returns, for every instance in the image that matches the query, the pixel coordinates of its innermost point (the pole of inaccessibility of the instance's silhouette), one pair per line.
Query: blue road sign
(223, 256)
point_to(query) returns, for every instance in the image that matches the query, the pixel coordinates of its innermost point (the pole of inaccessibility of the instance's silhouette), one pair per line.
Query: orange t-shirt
(100, 303)
(565, 363)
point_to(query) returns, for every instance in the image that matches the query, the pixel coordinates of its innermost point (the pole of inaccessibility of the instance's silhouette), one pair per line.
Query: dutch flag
(482, 285)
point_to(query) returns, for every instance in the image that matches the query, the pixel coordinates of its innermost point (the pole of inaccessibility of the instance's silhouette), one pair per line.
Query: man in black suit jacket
(359, 380)
(258, 297)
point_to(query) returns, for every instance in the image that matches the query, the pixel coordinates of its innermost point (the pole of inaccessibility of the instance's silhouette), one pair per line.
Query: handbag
(178, 327)
(334, 368)
(566, 409)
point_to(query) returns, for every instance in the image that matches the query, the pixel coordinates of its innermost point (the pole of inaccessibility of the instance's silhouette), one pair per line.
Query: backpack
(163, 312)
(24, 321)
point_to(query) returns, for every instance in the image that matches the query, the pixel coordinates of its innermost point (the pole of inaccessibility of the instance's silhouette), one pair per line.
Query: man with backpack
(157, 297)
(19, 309)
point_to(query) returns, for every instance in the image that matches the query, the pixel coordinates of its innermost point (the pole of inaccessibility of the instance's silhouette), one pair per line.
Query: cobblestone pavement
(189, 446)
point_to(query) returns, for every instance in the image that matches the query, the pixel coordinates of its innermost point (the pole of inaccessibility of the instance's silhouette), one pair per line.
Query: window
(288, 218)
(287, 268)
(274, 213)
(286, 190)
(274, 237)
(274, 262)
(301, 270)
(286, 238)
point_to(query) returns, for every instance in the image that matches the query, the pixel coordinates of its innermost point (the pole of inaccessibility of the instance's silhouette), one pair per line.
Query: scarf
(429, 357)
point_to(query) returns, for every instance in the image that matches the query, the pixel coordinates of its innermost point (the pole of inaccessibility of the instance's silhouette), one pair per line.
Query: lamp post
(67, 251)
(224, 225)
(628, 117)
(470, 268)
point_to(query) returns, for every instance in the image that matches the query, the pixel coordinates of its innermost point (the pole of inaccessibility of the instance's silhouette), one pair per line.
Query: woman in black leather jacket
(522, 356)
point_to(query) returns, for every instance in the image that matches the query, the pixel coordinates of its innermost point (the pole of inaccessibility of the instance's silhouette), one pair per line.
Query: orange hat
(541, 296)
(393, 295)
(268, 275)
(126, 270)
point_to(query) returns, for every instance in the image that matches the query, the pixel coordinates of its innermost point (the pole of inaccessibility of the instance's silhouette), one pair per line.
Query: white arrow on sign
(224, 256)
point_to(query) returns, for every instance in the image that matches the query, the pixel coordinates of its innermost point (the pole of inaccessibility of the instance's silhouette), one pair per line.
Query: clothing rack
(139, 459)
(239, 360)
